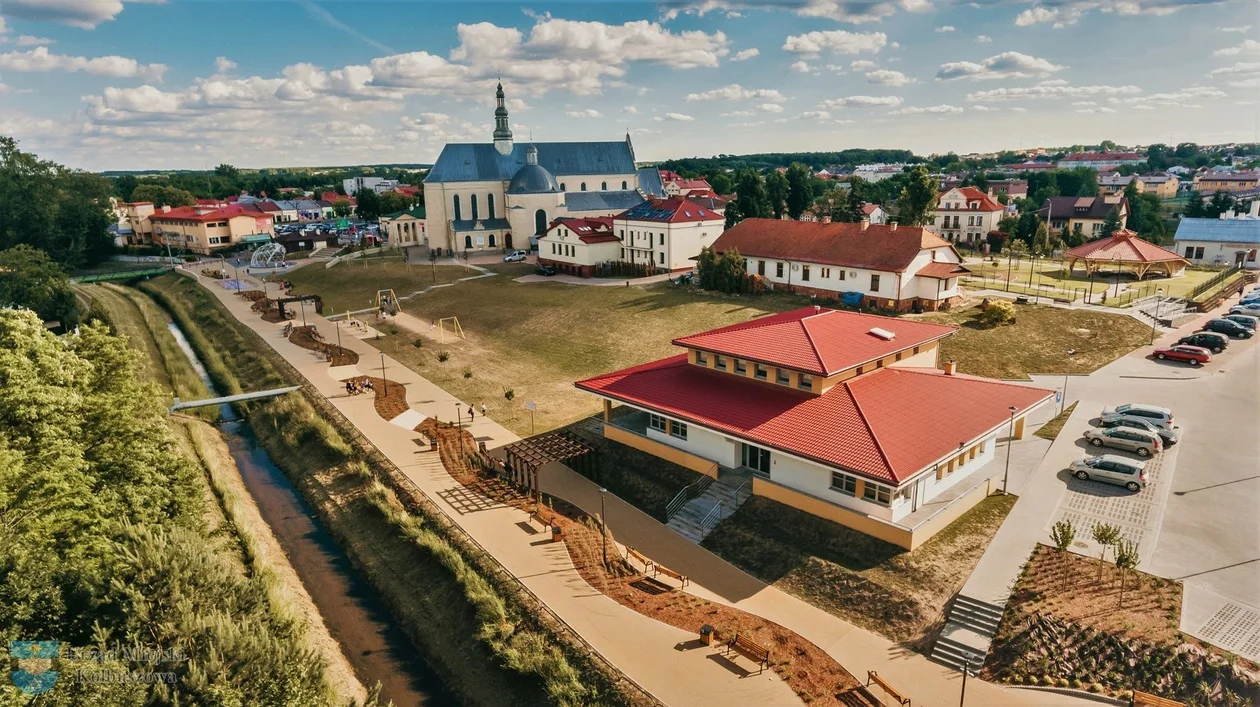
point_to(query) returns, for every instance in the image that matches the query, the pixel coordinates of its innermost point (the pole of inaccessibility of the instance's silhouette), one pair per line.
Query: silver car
(1157, 416)
(1169, 436)
(1111, 469)
(1140, 442)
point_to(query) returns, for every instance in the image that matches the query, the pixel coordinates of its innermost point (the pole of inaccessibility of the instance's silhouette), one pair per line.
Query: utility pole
(1067, 369)
(384, 382)
(603, 525)
(1006, 475)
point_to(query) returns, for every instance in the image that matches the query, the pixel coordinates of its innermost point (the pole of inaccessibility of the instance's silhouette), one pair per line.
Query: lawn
(353, 284)
(1038, 341)
(1051, 429)
(859, 578)
(1051, 277)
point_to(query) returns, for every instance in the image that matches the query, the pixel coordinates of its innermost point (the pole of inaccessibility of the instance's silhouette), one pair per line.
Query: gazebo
(1124, 248)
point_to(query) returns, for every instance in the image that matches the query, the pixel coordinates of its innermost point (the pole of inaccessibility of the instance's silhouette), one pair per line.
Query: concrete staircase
(968, 633)
(696, 518)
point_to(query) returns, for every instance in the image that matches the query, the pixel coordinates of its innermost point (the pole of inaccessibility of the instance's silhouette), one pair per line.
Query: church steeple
(502, 133)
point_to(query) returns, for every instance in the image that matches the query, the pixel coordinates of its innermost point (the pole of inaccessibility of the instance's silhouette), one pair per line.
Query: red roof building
(843, 415)
(966, 215)
(666, 234)
(1124, 248)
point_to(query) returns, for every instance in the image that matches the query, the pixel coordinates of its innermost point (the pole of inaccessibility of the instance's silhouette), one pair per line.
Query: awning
(258, 238)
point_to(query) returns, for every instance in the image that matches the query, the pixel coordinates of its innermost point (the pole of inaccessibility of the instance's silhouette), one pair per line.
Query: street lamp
(603, 525)
(968, 656)
(1067, 368)
(302, 304)
(1117, 259)
(384, 381)
(1159, 291)
(459, 423)
(1009, 441)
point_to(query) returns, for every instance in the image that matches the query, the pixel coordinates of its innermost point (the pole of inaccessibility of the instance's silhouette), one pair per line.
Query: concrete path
(595, 281)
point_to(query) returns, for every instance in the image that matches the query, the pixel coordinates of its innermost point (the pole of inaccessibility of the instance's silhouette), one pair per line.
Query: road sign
(531, 405)
(1058, 397)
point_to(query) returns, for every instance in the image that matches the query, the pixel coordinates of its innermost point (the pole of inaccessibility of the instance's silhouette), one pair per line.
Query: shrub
(443, 357)
(467, 372)
(997, 313)
(418, 343)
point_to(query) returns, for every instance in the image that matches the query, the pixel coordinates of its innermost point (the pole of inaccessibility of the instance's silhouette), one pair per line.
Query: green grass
(857, 577)
(1053, 273)
(1038, 341)
(1051, 429)
(352, 284)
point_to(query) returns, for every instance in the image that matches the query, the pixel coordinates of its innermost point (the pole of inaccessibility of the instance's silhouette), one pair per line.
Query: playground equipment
(456, 329)
(386, 302)
(319, 303)
(271, 255)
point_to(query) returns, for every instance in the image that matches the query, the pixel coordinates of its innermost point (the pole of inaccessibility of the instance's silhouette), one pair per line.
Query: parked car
(1225, 326)
(1169, 436)
(515, 256)
(1193, 355)
(1111, 469)
(1246, 320)
(1252, 308)
(1157, 416)
(546, 270)
(1141, 442)
(1209, 340)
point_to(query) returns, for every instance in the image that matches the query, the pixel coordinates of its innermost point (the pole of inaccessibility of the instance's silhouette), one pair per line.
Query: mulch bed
(390, 397)
(815, 676)
(307, 338)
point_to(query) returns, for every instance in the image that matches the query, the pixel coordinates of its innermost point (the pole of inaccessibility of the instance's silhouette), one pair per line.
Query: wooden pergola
(523, 459)
(1124, 248)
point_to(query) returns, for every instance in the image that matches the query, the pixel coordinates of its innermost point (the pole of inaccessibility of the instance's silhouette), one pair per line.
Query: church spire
(502, 133)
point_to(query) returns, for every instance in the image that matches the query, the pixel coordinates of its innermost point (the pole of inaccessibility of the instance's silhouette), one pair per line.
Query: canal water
(370, 638)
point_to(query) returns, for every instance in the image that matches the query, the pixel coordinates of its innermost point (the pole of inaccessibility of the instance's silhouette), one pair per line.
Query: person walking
(471, 415)
(483, 409)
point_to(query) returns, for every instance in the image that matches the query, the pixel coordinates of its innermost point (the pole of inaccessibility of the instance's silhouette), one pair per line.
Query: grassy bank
(436, 599)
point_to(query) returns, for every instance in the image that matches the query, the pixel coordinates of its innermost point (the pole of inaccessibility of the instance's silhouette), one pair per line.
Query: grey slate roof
(650, 182)
(476, 162)
(1066, 207)
(610, 201)
(533, 179)
(1230, 230)
(487, 224)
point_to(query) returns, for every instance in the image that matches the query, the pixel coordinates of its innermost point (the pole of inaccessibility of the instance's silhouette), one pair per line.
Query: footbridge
(182, 405)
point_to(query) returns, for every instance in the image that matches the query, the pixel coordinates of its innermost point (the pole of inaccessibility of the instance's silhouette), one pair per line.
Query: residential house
(966, 215)
(403, 228)
(1221, 243)
(1111, 183)
(575, 246)
(286, 211)
(1026, 167)
(328, 198)
(1012, 188)
(309, 210)
(1164, 186)
(879, 172)
(712, 202)
(1226, 181)
(667, 233)
(204, 230)
(875, 214)
(1082, 214)
(1100, 160)
(134, 226)
(887, 267)
(685, 187)
(842, 415)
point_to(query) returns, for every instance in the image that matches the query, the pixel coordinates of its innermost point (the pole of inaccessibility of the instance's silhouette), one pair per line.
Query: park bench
(670, 573)
(1145, 699)
(873, 677)
(543, 516)
(647, 564)
(751, 649)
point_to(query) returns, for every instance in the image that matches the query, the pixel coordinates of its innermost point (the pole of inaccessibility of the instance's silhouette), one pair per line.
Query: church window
(603, 186)
(456, 202)
(467, 242)
(583, 186)
(490, 205)
(540, 222)
(472, 200)
(623, 186)
(563, 187)
(492, 240)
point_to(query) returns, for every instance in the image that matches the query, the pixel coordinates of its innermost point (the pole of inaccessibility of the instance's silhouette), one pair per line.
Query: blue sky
(102, 84)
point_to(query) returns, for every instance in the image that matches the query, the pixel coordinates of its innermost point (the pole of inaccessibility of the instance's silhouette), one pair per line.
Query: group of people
(472, 413)
(355, 386)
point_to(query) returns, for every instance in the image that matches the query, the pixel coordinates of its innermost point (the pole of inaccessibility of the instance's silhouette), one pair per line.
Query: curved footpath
(649, 652)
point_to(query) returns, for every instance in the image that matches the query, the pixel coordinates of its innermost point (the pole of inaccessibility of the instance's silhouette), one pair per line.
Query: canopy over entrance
(1124, 248)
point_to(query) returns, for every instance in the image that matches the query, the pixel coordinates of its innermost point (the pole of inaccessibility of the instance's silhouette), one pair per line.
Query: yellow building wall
(900, 537)
(953, 512)
(664, 451)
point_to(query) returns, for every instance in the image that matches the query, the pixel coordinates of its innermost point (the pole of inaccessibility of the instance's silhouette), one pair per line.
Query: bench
(543, 516)
(670, 573)
(742, 644)
(647, 564)
(873, 677)
(1148, 700)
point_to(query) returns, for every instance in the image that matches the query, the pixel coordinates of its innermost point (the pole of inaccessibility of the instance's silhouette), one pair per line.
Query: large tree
(751, 199)
(368, 204)
(162, 195)
(777, 190)
(1111, 224)
(30, 278)
(918, 198)
(800, 190)
(721, 183)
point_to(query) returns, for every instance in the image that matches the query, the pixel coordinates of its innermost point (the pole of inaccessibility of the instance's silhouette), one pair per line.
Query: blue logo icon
(34, 674)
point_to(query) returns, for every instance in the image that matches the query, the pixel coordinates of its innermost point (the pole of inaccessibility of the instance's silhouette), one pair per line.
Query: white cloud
(1240, 29)
(223, 65)
(679, 117)
(632, 110)
(1242, 74)
(1097, 109)
(746, 54)
(735, 92)
(1018, 109)
(983, 109)
(588, 113)
(1061, 13)
(815, 115)
(851, 11)
(770, 108)
(85, 14)
(1183, 98)
(931, 110)
(800, 67)
(27, 40)
(748, 124)
(1049, 89)
(862, 64)
(860, 102)
(836, 41)
(1000, 66)
(945, 29)
(888, 77)
(1248, 47)
(1083, 103)
(40, 59)
(983, 39)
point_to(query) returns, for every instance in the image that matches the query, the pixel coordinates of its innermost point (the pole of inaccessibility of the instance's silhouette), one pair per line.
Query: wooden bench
(1148, 700)
(647, 564)
(742, 644)
(543, 516)
(873, 677)
(670, 573)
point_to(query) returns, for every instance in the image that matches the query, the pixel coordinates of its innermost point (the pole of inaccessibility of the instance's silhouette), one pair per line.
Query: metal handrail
(1212, 282)
(687, 493)
(735, 496)
(712, 518)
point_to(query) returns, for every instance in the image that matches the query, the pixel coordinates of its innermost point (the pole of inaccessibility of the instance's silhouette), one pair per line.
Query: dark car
(1228, 328)
(1247, 320)
(546, 270)
(1211, 341)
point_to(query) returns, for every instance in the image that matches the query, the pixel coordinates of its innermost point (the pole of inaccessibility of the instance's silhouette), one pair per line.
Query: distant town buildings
(1083, 214)
(879, 172)
(1226, 181)
(1101, 160)
(966, 215)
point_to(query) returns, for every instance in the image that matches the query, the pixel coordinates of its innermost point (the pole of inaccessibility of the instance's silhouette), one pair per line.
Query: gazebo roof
(1125, 246)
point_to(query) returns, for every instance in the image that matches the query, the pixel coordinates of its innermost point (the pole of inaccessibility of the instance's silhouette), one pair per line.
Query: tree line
(225, 180)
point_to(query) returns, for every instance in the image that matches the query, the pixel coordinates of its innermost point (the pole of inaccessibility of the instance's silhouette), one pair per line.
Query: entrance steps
(697, 518)
(968, 633)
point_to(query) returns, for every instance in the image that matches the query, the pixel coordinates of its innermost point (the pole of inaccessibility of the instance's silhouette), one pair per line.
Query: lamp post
(1006, 475)
(1067, 369)
(302, 304)
(459, 423)
(384, 382)
(1159, 291)
(968, 657)
(337, 323)
(1117, 259)
(603, 525)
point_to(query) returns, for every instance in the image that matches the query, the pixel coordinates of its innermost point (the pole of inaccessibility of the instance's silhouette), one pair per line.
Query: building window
(761, 268)
(472, 201)
(623, 253)
(877, 494)
(760, 372)
(741, 368)
(782, 377)
(490, 205)
(719, 362)
(879, 363)
(656, 422)
(1198, 253)
(455, 201)
(679, 430)
(467, 242)
(563, 187)
(755, 458)
(841, 276)
(916, 349)
(901, 496)
(805, 273)
(824, 273)
(603, 186)
(897, 357)
(623, 186)
(874, 283)
(778, 269)
(540, 222)
(661, 257)
(805, 382)
(701, 359)
(662, 241)
(583, 186)
(492, 240)
(843, 483)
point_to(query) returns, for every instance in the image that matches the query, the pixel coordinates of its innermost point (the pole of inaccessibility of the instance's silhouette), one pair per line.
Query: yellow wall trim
(664, 451)
(838, 514)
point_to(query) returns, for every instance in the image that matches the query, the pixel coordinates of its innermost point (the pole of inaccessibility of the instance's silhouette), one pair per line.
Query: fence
(1214, 281)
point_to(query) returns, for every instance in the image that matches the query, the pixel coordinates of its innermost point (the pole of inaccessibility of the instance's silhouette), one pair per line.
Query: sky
(153, 84)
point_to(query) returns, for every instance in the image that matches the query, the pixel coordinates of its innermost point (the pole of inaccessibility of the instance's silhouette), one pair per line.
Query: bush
(418, 343)
(468, 373)
(443, 357)
(998, 312)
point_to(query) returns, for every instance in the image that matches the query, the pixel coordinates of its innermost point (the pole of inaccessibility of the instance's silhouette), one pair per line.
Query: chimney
(892, 225)
(950, 367)
(826, 218)
(817, 309)
(866, 223)
(166, 208)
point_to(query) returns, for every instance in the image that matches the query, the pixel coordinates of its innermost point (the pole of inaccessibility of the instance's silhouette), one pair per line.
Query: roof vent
(883, 334)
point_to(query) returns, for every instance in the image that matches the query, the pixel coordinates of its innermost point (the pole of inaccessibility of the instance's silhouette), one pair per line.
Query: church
(503, 195)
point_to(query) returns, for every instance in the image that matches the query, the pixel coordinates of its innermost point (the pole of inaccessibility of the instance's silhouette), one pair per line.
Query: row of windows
(871, 491)
(660, 257)
(635, 234)
(472, 202)
(602, 185)
(468, 242)
(563, 249)
(660, 424)
(807, 273)
(804, 381)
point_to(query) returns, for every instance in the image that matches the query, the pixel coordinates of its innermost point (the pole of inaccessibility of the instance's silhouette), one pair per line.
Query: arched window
(467, 242)
(540, 222)
(563, 187)
(456, 202)
(473, 200)
(623, 186)
(583, 186)
(492, 240)
(603, 186)
(490, 207)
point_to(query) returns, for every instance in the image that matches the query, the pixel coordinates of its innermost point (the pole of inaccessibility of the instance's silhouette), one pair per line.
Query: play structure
(269, 256)
(451, 324)
(316, 299)
(386, 303)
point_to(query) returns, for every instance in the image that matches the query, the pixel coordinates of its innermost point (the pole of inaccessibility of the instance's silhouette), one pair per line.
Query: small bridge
(181, 405)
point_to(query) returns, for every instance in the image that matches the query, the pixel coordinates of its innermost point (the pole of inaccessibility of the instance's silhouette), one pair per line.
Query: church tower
(502, 133)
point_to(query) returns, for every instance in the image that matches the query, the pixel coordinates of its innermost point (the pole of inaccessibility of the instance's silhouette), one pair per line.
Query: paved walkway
(651, 653)
(596, 281)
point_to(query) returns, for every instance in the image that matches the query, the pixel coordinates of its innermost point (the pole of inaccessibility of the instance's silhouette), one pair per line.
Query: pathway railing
(712, 518)
(688, 492)
(1211, 282)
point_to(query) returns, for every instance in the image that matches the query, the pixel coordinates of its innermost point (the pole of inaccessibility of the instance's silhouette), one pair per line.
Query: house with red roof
(666, 233)
(843, 415)
(966, 215)
(900, 268)
(204, 229)
(575, 246)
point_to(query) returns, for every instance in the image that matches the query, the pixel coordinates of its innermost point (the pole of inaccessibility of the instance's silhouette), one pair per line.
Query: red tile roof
(941, 270)
(821, 342)
(1126, 246)
(880, 247)
(1103, 157)
(675, 209)
(588, 230)
(887, 425)
(970, 194)
(202, 214)
(868, 208)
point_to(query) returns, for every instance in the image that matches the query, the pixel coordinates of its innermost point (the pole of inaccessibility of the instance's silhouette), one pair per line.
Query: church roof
(533, 179)
(610, 201)
(480, 162)
(650, 181)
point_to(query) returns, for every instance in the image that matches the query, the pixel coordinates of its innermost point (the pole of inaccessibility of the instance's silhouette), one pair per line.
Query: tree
(996, 240)
(1026, 227)
(1220, 203)
(392, 201)
(918, 198)
(997, 312)
(341, 208)
(1016, 249)
(752, 200)
(777, 191)
(162, 195)
(1063, 534)
(1111, 224)
(30, 278)
(1105, 535)
(721, 183)
(368, 204)
(800, 190)
(724, 273)
(227, 171)
(1126, 558)
(1195, 207)
(1041, 239)
(732, 215)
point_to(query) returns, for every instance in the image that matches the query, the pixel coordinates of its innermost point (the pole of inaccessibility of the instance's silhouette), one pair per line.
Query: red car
(1194, 355)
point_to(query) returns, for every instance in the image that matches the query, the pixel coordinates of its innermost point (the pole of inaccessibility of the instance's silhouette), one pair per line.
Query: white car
(515, 256)
(1250, 308)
